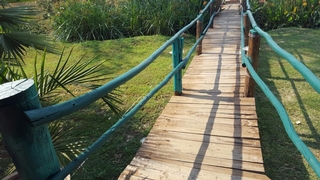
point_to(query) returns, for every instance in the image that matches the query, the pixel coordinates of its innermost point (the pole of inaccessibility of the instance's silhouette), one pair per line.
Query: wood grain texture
(211, 131)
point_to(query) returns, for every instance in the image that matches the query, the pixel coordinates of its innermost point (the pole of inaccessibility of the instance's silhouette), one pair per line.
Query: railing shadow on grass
(303, 70)
(279, 154)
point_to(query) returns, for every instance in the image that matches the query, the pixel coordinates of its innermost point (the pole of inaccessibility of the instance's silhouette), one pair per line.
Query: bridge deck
(211, 131)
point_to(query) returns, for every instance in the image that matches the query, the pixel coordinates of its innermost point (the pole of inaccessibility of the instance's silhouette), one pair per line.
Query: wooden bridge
(211, 131)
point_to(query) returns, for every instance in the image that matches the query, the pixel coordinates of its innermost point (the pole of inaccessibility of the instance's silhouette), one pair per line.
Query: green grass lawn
(282, 160)
(119, 55)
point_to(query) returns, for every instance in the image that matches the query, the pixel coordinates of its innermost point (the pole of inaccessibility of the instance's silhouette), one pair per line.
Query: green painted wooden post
(30, 147)
(177, 50)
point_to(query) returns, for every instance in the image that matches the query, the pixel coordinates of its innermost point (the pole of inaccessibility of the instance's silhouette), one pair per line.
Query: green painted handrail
(51, 113)
(311, 78)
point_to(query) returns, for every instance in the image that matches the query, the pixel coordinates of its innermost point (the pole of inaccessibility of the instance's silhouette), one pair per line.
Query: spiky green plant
(82, 73)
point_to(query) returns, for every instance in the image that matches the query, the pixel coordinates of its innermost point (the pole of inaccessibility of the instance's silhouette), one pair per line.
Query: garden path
(211, 131)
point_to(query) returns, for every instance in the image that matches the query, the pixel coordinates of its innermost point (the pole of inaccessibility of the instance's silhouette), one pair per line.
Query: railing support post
(247, 27)
(177, 53)
(211, 13)
(30, 148)
(244, 5)
(253, 53)
(198, 35)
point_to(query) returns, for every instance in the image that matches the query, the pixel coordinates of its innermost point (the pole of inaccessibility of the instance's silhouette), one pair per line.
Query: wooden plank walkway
(211, 131)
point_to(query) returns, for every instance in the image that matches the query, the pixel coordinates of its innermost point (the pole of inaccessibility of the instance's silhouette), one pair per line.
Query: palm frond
(11, 73)
(112, 100)
(81, 73)
(13, 17)
(63, 75)
(66, 148)
(15, 44)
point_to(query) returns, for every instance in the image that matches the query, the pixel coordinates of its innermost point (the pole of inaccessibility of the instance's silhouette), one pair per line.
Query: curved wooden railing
(39, 117)
(250, 30)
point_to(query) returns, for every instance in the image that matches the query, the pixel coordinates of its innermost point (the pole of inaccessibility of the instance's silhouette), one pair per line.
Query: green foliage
(274, 14)
(80, 73)
(66, 148)
(13, 44)
(160, 16)
(77, 20)
(96, 20)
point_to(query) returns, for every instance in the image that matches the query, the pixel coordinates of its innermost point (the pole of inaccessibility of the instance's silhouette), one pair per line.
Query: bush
(274, 14)
(97, 20)
(86, 21)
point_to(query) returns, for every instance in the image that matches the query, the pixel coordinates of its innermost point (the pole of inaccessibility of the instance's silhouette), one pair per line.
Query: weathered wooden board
(188, 98)
(199, 137)
(170, 169)
(211, 131)
(192, 159)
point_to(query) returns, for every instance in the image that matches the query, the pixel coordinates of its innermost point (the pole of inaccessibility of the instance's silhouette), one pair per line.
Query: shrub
(97, 20)
(274, 14)
(76, 21)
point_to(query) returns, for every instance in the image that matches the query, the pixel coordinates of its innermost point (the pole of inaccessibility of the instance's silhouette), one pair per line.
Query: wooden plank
(200, 137)
(185, 119)
(213, 38)
(208, 127)
(221, 43)
(210, 107)
(192, 159)
(213, 63)
(218, 56)
(223, 26)
(224, 57)
(209, 88)
(208, 81)
(189, 98)
(215, 108)
(217, 129)
(187, 169)
(218, 42)
(205, 61)
(212, 85)
(214, 75)
(221, 115)
(220, 50)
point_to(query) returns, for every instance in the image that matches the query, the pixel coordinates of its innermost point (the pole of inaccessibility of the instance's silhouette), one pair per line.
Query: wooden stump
(30, 148)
